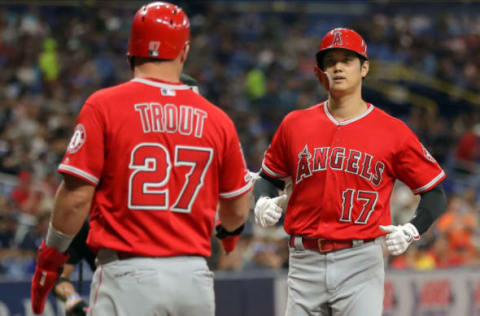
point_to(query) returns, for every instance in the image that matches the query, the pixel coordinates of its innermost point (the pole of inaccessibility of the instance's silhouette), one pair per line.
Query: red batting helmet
(159, 30)
(342, 38)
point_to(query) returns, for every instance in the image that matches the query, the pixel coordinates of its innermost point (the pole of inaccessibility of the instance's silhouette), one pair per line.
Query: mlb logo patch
(153, 49)
(168, 92)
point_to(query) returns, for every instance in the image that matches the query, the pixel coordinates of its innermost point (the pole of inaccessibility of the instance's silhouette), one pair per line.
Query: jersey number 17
(352, 197)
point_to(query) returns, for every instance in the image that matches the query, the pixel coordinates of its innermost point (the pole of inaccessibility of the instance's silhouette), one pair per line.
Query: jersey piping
(235, 193)
(271, 172)
(330, 116)
(82, 174)
(430, 184)
(161, 84)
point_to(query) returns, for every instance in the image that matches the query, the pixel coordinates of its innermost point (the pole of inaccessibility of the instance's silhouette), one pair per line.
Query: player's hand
(228, 239)
(399, 237)
(49, 263)
(323, 77)
(269, 210)
(76, 306)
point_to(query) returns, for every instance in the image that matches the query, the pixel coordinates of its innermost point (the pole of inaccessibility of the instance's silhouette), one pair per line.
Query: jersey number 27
(152, 169)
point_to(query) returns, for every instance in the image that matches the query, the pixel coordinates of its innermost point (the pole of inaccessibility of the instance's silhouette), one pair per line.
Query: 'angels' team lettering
(158, 118)
(341, 159)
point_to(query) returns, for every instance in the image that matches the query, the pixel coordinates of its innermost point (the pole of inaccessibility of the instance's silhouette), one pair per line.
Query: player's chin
(339, 87)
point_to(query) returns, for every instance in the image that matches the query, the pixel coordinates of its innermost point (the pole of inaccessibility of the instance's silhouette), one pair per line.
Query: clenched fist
(269, 210)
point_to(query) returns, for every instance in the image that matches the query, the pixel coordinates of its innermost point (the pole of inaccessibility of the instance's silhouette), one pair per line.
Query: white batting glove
(269, 210)
(399, 237)
(254, 175)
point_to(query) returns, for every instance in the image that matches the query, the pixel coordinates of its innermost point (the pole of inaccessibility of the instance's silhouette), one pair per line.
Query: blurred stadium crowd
(257, 66)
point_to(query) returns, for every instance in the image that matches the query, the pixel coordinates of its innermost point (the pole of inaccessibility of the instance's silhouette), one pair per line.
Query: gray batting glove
(399, 237)
(269, 210)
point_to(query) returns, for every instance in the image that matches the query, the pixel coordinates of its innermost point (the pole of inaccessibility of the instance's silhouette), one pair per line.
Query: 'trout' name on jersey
(341, 159)
(169, 118)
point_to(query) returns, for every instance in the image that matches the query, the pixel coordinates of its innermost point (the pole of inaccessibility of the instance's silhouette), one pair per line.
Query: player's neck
(165, 71)
(346, 107)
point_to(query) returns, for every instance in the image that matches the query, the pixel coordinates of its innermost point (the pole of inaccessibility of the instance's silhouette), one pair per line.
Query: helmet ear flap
(323, 77)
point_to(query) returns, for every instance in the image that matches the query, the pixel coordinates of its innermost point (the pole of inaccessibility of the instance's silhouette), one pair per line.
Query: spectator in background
(234, 260)
(467, 152)
(458, 225)
(49, 64)
(22, 192)
(8, 227)
(265, 256)
(31, 241)
(268, 249)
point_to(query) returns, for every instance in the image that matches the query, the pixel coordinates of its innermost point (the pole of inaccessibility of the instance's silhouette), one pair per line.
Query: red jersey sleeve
(234, 176)
(275, 161)
(416, 167)
(84, 156)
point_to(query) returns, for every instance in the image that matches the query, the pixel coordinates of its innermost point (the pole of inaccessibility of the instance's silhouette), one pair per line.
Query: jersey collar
(330, 116)
(161, 84)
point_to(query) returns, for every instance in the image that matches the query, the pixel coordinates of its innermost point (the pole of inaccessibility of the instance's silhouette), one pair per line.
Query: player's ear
(364, 68)
(184, 53)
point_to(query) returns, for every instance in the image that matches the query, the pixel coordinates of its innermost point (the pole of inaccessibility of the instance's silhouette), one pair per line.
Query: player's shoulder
(301, 114)
(390, 126)
(383, 118)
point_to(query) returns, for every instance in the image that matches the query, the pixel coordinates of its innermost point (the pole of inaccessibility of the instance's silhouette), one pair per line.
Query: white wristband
(57, 239)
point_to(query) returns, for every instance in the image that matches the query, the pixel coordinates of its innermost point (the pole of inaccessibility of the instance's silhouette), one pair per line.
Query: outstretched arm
(72, 204)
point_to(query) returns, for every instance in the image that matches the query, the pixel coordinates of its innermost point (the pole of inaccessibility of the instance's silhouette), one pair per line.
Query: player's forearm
(432, 205)
(266, 186)
(72, 204)
(233, 213)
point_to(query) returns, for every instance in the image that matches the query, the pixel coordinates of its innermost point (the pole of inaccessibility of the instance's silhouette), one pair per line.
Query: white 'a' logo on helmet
(337, 39)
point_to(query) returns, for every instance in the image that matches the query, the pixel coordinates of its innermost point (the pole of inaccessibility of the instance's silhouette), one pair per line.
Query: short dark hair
(134, 61)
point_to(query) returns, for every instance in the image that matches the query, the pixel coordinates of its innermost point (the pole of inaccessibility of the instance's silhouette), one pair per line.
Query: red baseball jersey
(343, 172)
(160, 156)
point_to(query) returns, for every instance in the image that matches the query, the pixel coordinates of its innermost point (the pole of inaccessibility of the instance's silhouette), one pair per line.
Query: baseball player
(342, 167)
(149, 160)
(78, 250)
